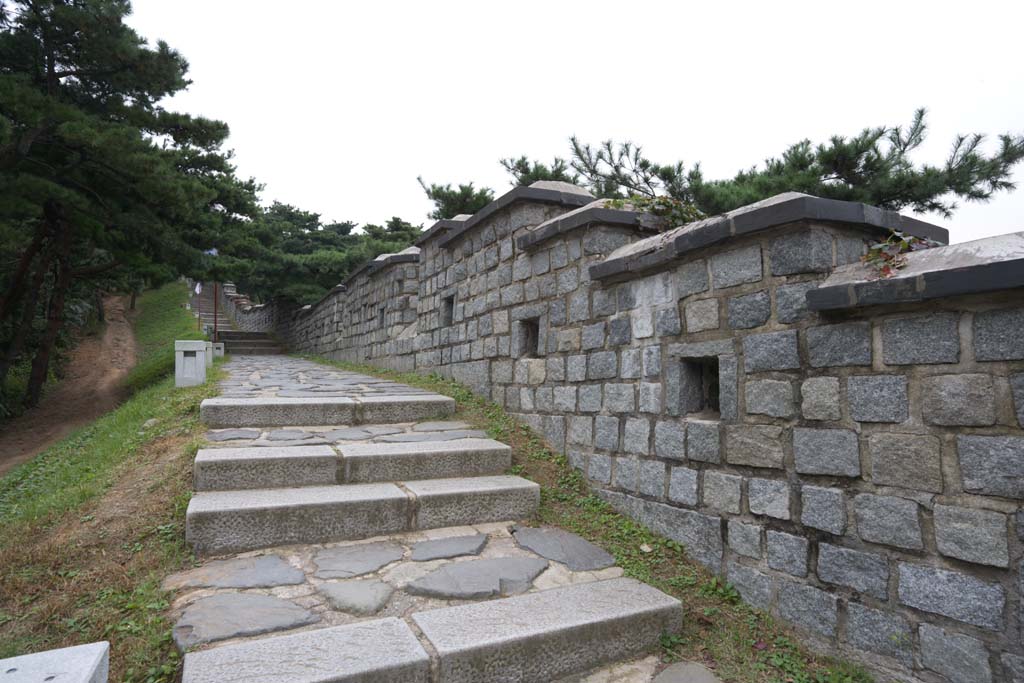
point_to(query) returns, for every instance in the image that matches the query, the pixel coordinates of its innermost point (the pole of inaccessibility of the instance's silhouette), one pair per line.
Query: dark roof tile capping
(594, 212)
(441, 227)
(542, 191)
(985, 265)
(788, 207)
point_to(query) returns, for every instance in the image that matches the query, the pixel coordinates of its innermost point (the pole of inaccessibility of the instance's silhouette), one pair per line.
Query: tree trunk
(16, 289)
(131, 302)
(54, 317)
(20, 332)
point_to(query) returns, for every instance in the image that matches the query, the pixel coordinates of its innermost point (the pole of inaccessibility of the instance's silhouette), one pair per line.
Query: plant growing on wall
(890, 255)
(671, 212)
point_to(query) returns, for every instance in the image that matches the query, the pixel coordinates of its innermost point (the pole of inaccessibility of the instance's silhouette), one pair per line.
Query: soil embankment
(92, 385)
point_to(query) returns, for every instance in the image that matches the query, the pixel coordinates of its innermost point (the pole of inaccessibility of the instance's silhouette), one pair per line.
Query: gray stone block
(921, 339)
(381, 650)
(473, 500)
(259, 468)
(770, 397)
(877, 398)
(345, 562)
(754, 587)
(992, 465)
(823, 508)
(625, 473)
(1017, 389)
(972, 535)
(826, 451)
(753, 445)
(952, 594)
(78, 664)
(791, 301)
(701, 315)
(722, 491)
(958, 657)
(443, 548)
(619, 398)
(477, 579)
(236, 521)
(728, 392)
(912, 461)
(651, 478)
(864, 572)
(620, 331)
(593, 336)
(682, 486)
(736, 267)
(261, 571)
(667, 323)
(700, 534)
(839, 345)
(590, 398)
(805, 251)
(768, 497)
(602, 365)
(745, 539)
(692, 278)
(606, 432)
(959, 400)
(637, 436)
(652, 361)
(360, 596)
(881, 632)
(543, 636)
(820, 398)
(787, 553)
(771, 351)
(234, 615)
(629, 364)
(888, 520)
(576, 368)
(702, 441)
(1013, 667)
(581, 431)
(576, 553)
(600, 469)
(808, 608)
(749, 310)
(378, 462)
(670, 440)
(997, 335)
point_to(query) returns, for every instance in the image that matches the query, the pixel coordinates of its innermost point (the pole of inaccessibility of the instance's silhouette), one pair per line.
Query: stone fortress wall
(848, 451)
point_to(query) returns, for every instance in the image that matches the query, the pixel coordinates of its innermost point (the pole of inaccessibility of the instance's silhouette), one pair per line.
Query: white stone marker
(209, 354)
(218, 349)
(80, 664)
(189, 363)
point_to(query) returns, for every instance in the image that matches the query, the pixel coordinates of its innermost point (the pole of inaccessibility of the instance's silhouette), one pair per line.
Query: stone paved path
(387, 572)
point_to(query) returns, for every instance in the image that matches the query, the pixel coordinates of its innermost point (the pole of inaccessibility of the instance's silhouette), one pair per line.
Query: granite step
(377, 651)
(539, 637)
(226, 469)
(278, 410)
(236, 350)
(219, 522)
(372, 462)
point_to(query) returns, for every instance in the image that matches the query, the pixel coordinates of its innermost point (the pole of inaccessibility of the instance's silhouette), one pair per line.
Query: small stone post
(189, 363)
(209, 354)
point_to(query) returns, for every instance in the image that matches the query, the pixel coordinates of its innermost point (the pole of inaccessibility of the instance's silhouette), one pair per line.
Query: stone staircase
(314, 462)
(203, 304)
(243, 343)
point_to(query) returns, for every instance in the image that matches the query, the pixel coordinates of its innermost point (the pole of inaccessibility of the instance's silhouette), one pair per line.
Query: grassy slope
(741, 644)
(161, 320)
(90, 527)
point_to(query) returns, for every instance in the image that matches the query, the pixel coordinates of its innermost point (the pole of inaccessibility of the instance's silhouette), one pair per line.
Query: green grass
(162, 318)
(741, 644)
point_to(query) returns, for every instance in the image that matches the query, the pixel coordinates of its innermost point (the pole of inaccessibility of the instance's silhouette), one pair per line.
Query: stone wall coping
(788, 207)
(596, 211)
(441, 227)
(985, 265)
(540, 192)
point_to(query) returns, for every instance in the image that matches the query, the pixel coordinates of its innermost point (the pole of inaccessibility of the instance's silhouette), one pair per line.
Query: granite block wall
(856, 470)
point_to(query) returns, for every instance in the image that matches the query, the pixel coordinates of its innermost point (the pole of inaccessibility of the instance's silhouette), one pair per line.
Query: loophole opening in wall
(380, 317)
(699, 387)
(528, 332)
(447, 310)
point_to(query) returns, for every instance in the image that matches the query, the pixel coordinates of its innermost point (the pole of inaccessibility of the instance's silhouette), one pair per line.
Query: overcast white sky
(337, 107)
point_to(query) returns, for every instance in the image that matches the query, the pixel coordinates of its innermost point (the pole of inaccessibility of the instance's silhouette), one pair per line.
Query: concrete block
(379, 462)
(189, 363)
(539, 637)
(79, 664)
(222, 469)
(474, 500)
(381, 650)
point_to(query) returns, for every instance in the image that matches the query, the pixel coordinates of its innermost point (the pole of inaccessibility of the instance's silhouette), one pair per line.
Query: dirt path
(90, 388)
